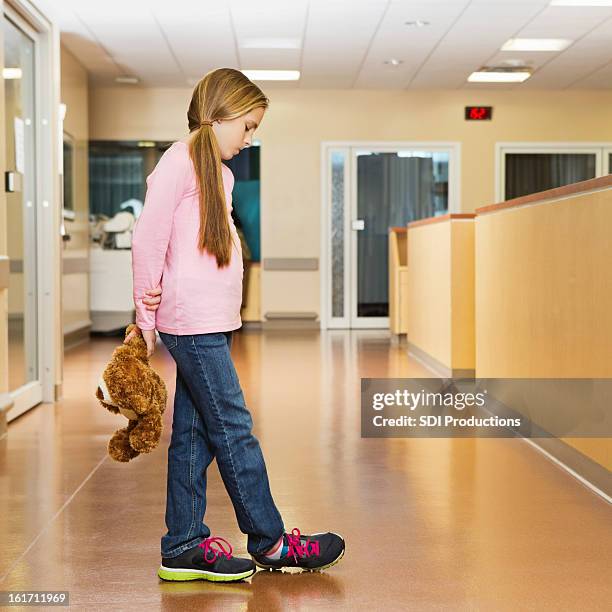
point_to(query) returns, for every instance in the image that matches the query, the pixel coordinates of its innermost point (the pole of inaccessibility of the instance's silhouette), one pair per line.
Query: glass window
(533, 172)
(118, 171)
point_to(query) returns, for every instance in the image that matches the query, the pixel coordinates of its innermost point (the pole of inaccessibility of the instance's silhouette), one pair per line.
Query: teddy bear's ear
(109, 407)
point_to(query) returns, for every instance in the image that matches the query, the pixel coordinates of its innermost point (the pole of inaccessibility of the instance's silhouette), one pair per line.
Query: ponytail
(223, 94)
(214, 235)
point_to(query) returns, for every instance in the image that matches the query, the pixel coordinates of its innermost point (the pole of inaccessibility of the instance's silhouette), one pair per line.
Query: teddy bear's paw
(143, 442)
(120, 454)
(119, 447)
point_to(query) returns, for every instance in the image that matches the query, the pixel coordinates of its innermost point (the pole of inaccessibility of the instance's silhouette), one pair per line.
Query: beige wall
(75, 285)
(299, 120)
(75, 95)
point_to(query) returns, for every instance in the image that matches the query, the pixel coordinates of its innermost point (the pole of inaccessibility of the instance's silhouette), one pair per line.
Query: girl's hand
(152, 302)
(148, 336)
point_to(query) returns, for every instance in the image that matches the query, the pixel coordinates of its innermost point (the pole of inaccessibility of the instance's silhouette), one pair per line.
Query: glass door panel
(23, 351)
(392, 189)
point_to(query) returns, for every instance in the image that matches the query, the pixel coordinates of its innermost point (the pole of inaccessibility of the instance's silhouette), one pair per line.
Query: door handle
(358, 225)
(12, 181)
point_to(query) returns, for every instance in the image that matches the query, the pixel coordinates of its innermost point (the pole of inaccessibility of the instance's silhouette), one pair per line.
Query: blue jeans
(211, 421)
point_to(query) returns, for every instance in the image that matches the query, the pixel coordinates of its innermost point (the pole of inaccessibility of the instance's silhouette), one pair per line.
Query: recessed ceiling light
(127, 79)
(581, 3)
(499, 76)
(11, 73)
(272, 75)
(271, 43)
(417, 23)
(394, 62)
(536, 44)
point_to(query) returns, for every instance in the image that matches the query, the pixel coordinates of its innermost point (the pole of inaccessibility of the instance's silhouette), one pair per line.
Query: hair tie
(206, 123)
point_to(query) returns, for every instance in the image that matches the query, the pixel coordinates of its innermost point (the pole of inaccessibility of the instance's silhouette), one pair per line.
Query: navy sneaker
(308, 552)
(202, 562)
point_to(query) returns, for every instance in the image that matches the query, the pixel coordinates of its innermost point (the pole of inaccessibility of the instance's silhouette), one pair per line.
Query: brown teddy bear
(131, 387)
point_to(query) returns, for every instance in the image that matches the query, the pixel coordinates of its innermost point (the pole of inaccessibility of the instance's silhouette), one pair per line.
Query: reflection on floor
(21, 357)
(431, 524)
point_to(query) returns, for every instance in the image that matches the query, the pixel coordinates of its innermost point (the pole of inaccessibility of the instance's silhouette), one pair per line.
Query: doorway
(368, 188)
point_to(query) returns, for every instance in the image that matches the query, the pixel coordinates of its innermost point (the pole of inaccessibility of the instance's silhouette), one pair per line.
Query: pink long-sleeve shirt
(197, 297)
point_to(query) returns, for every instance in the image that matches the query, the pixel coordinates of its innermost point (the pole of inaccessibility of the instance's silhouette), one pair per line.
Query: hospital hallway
(430, 523)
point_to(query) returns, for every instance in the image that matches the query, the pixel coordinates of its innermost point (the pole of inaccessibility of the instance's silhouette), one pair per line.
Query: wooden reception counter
(544, 294)
(440, 295)
(398, 281)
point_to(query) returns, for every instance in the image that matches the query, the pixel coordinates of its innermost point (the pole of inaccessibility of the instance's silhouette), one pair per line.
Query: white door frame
(607, 164)
(46, 111)
(350, 208)
(501, 148)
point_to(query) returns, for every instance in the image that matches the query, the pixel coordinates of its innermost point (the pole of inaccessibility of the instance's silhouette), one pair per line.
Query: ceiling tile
(343, 43)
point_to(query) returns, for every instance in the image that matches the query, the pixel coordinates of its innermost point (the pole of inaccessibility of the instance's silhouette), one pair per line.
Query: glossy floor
(430, 524)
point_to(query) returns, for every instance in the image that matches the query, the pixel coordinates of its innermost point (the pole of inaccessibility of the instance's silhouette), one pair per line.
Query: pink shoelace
(297, 549)
(216, 552)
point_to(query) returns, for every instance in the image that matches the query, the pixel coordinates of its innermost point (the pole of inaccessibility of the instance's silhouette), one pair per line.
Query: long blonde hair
(224, 93)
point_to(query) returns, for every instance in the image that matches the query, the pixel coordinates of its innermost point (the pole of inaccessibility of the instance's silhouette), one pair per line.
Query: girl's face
(235, 134)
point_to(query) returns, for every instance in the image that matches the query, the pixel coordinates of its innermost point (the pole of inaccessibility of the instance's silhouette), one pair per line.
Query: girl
(186, 241)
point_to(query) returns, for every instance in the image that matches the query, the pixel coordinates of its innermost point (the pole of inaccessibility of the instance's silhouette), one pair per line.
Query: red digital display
(478, 113)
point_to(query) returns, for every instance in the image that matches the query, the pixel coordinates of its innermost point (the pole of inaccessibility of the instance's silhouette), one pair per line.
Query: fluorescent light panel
(272, 75)
(536, 44)
(485, 76)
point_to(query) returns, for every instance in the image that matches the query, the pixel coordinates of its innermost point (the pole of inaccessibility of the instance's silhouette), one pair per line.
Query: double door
(367, 190)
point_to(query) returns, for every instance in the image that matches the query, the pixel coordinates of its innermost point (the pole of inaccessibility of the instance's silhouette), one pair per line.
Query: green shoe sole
(318, 569)
(166, 573)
